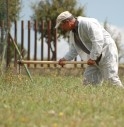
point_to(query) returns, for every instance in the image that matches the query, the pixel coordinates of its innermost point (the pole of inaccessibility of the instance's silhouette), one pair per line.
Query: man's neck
(75, 25)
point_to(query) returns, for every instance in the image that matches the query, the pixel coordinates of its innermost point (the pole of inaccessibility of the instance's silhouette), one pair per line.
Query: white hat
(64, 15)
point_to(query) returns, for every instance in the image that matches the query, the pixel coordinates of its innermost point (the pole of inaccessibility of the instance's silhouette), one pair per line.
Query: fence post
(75, 65)
(28, 57)
(8, 49)
(49, 40)
(55, 44)
(15, 36)
(42, 42)
(35, 41)
(22, 38)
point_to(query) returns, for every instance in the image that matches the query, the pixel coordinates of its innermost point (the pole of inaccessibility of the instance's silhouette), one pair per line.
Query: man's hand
(61, 61)
(91, 62)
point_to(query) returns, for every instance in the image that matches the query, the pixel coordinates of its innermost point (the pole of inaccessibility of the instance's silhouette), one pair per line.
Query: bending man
(87, 35)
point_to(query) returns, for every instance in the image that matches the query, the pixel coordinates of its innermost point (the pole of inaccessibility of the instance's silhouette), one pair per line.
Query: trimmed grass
(58, 101)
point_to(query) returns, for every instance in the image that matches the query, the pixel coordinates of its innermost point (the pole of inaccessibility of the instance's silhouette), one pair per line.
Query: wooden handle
(49, 62)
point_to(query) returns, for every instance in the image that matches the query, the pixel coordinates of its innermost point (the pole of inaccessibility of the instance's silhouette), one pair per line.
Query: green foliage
(58, 101)
(14, 9)
(49, 10)
(9, 9)
(9, 12)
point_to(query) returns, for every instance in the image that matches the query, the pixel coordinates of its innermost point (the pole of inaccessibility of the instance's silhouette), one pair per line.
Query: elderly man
(87, 35)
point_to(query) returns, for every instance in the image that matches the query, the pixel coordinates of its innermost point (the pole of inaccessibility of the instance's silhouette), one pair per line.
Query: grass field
(58, 101)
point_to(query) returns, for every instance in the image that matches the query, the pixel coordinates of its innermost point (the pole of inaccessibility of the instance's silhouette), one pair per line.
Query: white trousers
(107, 70)
(95, 76)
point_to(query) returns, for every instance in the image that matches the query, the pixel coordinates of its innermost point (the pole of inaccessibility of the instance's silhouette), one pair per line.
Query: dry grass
(58, 101)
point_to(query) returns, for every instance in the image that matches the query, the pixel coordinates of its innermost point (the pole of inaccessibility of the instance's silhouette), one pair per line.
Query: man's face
(65, 26)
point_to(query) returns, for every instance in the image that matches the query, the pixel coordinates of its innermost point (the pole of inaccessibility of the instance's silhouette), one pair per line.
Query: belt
(98, 59)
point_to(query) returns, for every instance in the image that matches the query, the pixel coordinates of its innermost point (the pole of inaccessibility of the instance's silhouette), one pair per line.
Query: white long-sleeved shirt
(92, 35)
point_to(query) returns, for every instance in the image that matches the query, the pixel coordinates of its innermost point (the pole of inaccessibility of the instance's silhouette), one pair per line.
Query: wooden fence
(27, 35)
